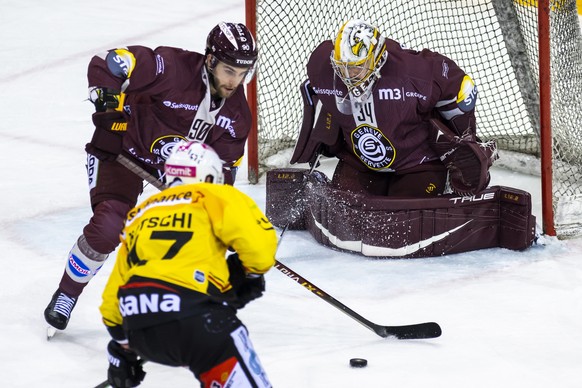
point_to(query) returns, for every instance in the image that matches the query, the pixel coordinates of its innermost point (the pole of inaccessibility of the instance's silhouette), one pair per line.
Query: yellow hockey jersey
(172, 253)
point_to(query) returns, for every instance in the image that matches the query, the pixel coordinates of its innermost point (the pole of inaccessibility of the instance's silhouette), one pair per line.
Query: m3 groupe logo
(399, 94)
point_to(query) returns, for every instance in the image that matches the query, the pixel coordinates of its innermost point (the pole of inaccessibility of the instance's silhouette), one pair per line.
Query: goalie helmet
(358, 55)
(233, 44)
(193, 162)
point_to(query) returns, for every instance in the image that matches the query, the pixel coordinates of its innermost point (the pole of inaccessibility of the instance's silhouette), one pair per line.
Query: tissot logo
(159, 64)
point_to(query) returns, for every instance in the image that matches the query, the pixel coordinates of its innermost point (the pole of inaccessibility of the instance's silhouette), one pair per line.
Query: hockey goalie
(412, 176)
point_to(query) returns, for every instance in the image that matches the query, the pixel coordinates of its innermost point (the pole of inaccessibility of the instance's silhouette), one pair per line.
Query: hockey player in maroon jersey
(146, 101)
(412, 176)
(398, 120)
(172, 296)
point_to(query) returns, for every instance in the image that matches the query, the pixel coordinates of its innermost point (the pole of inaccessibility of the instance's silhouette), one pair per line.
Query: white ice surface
(509, 319)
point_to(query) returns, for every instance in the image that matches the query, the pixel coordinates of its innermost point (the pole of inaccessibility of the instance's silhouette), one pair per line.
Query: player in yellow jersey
(172, 296)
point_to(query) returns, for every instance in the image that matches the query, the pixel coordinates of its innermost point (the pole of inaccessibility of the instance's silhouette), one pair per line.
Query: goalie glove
(466, 159)
(247, 287)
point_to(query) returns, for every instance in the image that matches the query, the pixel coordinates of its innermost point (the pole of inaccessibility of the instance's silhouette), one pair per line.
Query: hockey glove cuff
(125, 367)
(107, 141)
(247, 287)
(117, 333)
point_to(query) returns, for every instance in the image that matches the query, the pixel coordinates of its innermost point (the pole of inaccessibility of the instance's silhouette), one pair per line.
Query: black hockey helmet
(233, 44)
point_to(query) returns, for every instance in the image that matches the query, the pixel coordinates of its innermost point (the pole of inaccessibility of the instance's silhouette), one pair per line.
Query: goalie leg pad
(419, 227)
(286, 196)
(285, 201)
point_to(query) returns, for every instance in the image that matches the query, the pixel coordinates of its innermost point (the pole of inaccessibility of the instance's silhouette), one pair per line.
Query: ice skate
(58, 311)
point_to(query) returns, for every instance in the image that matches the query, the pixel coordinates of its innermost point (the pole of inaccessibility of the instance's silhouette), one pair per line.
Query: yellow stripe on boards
(554, 4)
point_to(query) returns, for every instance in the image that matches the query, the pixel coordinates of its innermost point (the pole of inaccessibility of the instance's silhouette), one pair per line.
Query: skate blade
(50, 332)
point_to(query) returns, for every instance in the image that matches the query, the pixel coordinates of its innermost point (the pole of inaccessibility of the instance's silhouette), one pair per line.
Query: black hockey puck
(358, 362)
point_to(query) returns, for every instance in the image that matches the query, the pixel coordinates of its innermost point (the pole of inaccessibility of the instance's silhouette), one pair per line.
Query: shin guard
(82, 264)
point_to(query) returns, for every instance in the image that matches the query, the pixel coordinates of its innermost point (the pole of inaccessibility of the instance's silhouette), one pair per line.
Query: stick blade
(416, 331)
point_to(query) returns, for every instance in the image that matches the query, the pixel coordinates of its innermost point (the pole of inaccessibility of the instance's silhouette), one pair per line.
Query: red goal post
(532, 109)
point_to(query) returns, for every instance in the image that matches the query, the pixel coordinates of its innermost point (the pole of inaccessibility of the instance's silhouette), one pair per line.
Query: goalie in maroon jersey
(146, 101)
(401, 122)
(412, 176)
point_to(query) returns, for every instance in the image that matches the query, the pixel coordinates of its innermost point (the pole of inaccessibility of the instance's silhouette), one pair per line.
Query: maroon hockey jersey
(164, 90)
(388, 130)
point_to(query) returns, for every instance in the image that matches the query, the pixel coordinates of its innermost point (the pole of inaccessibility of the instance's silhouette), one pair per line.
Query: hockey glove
(125, 368)
(247, 287)
(107, 141)
(105, 98)
(467, 159)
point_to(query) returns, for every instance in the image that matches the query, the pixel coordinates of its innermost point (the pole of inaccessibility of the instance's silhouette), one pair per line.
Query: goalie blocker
(387, 227)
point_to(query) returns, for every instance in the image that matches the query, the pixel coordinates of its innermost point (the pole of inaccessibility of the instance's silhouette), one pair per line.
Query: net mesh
(494, 41)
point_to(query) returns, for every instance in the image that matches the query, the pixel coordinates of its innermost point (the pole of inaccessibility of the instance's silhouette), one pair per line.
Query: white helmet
(358, 55)
(193, 162)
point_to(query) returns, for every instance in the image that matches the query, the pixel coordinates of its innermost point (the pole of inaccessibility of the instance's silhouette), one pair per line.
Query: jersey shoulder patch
(467, 96)
(120, 62)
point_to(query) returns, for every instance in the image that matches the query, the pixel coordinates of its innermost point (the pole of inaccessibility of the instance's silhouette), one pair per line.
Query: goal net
(495, 41)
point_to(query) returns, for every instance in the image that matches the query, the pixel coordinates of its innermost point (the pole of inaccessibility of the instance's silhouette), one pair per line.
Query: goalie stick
(414, 331)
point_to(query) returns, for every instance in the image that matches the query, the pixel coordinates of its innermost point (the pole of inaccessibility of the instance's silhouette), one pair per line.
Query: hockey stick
(140, 172)
(104, 384)
(415, 331)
